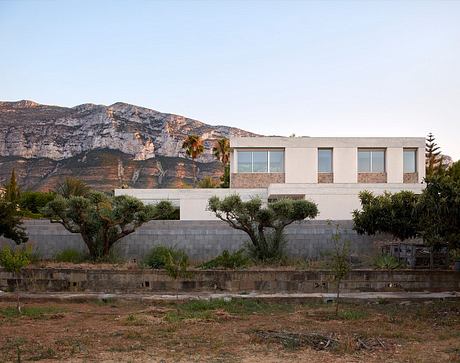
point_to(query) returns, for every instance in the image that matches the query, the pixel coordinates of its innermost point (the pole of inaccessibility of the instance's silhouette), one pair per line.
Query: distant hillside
(106, 146)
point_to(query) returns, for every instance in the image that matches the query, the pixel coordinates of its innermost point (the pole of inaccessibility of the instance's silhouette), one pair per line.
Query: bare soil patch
(230, 331)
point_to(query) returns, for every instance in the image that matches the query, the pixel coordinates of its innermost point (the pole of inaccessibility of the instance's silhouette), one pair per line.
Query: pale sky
(328, 68)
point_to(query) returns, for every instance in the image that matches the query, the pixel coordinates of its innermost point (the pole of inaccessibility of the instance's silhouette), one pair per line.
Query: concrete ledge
(289, 298)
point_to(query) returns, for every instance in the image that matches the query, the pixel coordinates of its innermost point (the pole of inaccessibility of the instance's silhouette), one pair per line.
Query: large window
(267, 161)
(371, 160)
(324, 160)
(410, 160)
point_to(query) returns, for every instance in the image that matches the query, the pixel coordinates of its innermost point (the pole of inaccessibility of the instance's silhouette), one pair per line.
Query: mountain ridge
(36, 134)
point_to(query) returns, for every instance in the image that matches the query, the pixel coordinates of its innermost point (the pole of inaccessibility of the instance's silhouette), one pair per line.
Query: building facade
(329, 171)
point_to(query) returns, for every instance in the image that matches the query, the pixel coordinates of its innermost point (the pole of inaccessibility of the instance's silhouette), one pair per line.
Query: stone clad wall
(410, 177)
(372, 177)
(255, 180)
(201, 240)
(325, 177)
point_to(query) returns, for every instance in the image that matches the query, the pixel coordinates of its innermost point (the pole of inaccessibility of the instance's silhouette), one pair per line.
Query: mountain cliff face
(107, 146)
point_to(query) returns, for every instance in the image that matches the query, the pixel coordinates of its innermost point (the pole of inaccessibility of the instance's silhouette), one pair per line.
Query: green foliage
(70, 255)
(434, 159)
(73, 187)
(387, 262)
(14, 260)
(339, 262)
(387, 213)
(193, 146)
(10, 218)
(10, 222)
(228, 260)
(203, 309)
(207, 183)
(353, 314)
(35, 201)
(12, 191)
(102, 219)
(439, 209)
(34, 312)
(264, 225)
(225, 179)
(176, 265)
(160, 256)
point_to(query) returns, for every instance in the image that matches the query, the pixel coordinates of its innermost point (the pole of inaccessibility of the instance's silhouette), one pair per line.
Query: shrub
(14, 260)
(387, 262)
(237, 259)
(34, 202)
(70, 255)
(159, 257)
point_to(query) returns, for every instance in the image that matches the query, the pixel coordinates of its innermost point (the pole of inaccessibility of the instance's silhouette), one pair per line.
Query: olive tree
(102, 219)
(263, 224)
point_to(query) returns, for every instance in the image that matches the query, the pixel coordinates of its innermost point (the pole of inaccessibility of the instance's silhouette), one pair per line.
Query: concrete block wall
(202, 240)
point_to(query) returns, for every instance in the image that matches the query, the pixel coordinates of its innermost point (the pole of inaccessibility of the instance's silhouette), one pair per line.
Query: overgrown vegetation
(160, 256)
(10, 218)
(228, 260)
(339, 263)
(13, 261)
(70, 255)
(434, 215)
(263, 225)
(387, 262)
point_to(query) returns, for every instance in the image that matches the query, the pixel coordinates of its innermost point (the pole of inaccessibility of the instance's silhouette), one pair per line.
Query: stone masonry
(255, 180)
(325, 177)
(410, 177)
(372, 177)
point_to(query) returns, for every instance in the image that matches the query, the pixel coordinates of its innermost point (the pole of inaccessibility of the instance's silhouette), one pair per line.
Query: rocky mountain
(106, 146)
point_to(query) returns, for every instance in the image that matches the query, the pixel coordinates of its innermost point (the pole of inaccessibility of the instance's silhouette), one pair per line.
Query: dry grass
(219, 331)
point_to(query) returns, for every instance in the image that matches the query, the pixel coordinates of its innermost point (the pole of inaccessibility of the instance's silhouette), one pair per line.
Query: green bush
(159, 257)
(35, 201)
(237, 259)
(70, 255)
(387, 262)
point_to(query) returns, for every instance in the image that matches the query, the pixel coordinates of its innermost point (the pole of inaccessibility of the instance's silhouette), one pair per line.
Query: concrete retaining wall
(146, 280)
(201, 240)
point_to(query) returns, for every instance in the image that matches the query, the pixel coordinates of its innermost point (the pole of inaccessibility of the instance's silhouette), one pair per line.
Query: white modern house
(330, 171)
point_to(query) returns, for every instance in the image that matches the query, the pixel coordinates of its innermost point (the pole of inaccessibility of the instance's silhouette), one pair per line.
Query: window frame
(332, 160)
(371, 151)
(415, 151)
(252, 151)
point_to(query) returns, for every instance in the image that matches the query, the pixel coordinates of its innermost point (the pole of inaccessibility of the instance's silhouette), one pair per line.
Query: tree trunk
(18, 304)
(337, 300)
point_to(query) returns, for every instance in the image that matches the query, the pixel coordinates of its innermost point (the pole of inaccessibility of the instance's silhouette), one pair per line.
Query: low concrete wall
(146, 280)
(201, 240)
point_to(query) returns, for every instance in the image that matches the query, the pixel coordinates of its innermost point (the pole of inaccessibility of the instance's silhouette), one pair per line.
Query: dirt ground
(232, 331)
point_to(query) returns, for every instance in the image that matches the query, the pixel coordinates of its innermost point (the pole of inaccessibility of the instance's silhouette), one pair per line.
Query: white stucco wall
(301, 165)
(394, 165)
(345, 164)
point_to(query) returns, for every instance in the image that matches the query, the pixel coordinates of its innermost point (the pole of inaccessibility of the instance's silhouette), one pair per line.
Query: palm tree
(221, 150)
(73, 187)
(193, 146)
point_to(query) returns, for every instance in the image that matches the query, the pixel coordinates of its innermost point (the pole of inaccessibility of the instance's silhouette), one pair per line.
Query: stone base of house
(410, 177)
(372, 177)
(255, 180)
(325, 177)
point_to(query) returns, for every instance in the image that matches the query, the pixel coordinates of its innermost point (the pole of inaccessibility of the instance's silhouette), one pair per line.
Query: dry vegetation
(234, 331)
